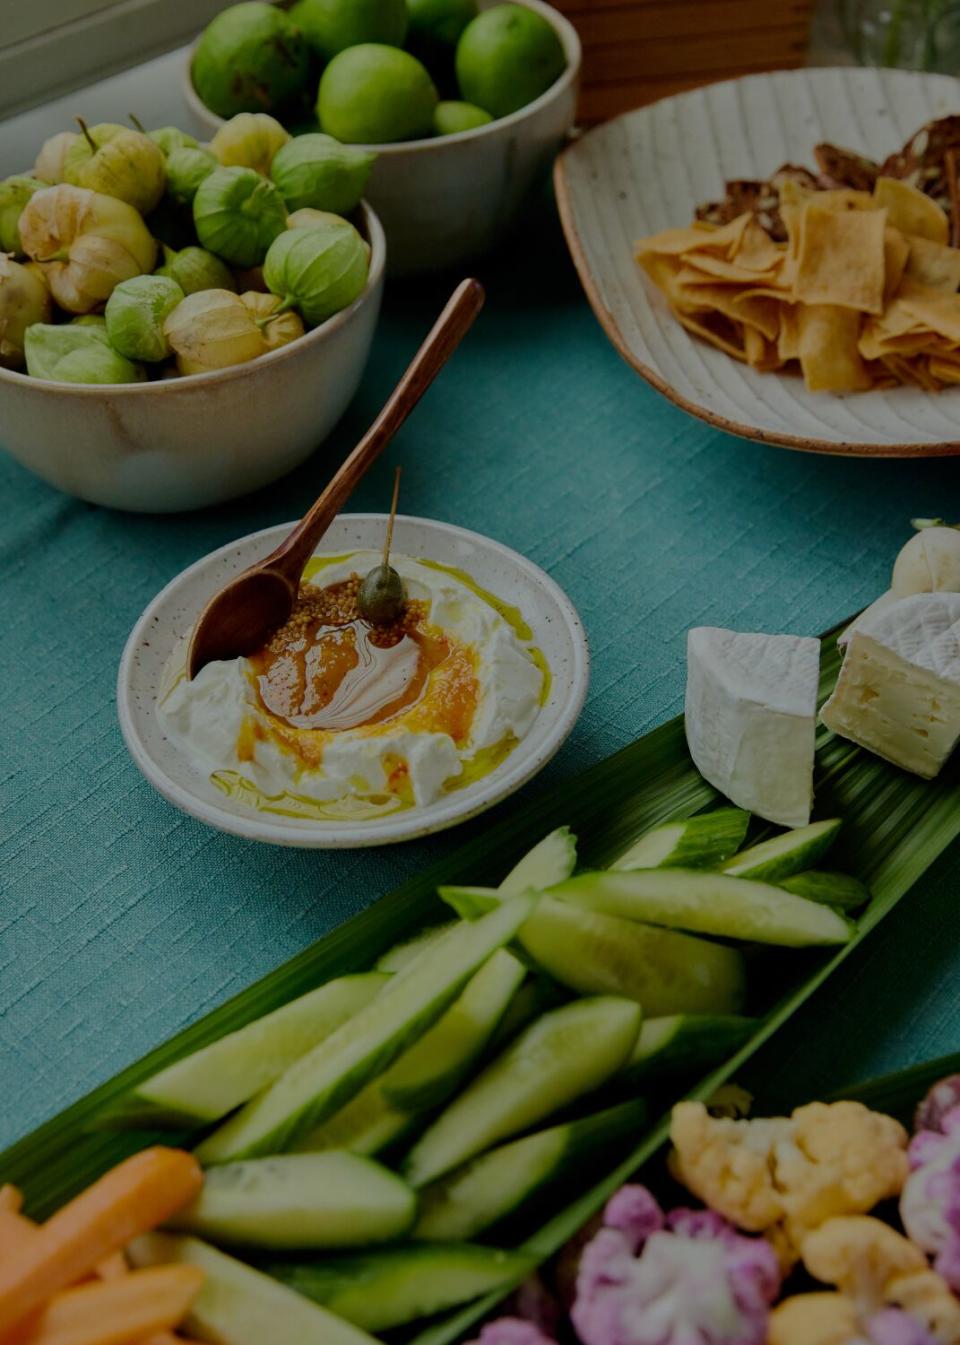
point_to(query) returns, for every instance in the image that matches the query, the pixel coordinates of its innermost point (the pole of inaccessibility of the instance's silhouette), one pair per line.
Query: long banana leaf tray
(895, 827)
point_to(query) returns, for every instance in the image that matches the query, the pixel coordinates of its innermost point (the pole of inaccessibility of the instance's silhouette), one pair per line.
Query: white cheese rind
(751, 719)
(898, 693)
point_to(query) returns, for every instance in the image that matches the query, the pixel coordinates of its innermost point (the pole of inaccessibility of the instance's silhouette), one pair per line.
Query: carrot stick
(11, 1199)
(132, 1198)
(115, 1312)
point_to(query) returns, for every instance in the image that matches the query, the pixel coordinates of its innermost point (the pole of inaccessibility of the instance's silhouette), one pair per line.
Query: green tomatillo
(170, 138)
(374, 94)
(117, 161)
(196, 269)
(135, 314)
(15, 192)
(318, 172)
(24, 300)
(74, 353)
(251, 58)
(318, 270)
(249, 140)
(186, 169)
(331, 26)
(238, 213)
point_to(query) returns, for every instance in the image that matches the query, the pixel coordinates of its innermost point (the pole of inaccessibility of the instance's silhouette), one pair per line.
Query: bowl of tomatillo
(175, 331)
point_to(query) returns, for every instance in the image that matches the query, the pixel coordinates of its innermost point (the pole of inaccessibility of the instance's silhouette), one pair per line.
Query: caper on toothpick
(381, 597)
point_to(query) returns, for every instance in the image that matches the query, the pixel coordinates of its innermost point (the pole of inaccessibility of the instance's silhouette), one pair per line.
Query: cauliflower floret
(930, 1204)
(785, 1175)
(887, 1293)
(687, 1278)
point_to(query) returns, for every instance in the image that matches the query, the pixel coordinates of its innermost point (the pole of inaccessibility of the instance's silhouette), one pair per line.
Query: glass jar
(911, 34)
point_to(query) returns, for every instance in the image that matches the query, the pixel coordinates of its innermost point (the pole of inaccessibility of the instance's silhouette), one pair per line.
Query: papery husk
(24, 300)
(87, 243)
(126, 164)
(52, 157)
(213, 329)
(277, 330)
(249, 140)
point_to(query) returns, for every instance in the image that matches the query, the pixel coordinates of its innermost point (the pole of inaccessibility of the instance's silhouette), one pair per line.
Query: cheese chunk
(898, 693)
(751, 719)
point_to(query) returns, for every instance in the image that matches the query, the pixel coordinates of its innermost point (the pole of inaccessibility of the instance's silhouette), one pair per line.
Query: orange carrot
(15, 1227)
(11, 1199)
(115, 1312)
(132, 1198)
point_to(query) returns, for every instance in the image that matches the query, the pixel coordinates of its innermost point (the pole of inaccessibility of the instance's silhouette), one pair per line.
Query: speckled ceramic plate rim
(553, 619)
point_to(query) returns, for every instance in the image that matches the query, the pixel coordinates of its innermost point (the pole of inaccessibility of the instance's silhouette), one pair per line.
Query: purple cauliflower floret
(942, 1098)
(930, 1201)
(512, 1331)
(688, 1278)
(893, 1326)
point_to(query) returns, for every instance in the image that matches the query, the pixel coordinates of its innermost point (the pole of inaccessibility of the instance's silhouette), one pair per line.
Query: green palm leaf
(895, 827)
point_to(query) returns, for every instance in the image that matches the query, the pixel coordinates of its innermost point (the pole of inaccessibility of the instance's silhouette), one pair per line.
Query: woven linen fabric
(122, 920)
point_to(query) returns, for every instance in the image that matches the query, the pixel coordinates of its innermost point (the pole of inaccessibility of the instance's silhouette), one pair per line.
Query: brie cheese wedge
(751, 719)
(898, 693)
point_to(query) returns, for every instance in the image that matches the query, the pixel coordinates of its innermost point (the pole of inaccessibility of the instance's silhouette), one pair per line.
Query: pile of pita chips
(862, 293)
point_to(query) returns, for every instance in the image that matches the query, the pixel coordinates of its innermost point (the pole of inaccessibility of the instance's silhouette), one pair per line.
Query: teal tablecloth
(122, 920)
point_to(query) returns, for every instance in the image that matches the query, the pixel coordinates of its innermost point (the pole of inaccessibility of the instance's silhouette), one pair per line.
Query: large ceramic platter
(159, 639)
(649, 169)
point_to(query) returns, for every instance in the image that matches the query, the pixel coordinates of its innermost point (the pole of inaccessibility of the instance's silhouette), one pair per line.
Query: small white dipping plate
(169, 619)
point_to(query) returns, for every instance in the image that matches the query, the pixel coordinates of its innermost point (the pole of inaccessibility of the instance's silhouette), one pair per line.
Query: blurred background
(636, 50)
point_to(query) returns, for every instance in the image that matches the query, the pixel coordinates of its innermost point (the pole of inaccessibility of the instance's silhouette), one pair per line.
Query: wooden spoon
(242, 616)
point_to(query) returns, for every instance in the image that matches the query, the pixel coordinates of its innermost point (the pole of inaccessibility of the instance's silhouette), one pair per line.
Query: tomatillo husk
(52, 157)
(135, 314)
(319, 270)
(238, 213)
(316, 171)
(125, 163)
(24, 301)
(279, 327)
(213, 329)
(87, 243)
(73, 353)
(15, 192)
(170, 138)
(186, 169)
(196, 269)
(249, 140)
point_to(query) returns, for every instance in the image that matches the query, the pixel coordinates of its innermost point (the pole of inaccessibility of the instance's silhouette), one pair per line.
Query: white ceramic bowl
(183, 443)
(162, 630)
(446, 200)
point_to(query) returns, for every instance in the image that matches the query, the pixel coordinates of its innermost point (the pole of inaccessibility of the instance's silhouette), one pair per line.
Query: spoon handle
(448, 331)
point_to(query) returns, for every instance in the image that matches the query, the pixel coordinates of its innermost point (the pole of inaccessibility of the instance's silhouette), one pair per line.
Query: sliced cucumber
(697, 842)
(204, 1086)
(786, 854)
(399, 957)
(684, 1042)
(384, 1289)
(325, 1079)
(664, 971)
(241, 1306)
(500, 1182)
(537, 995)
(560, 1057)
(708, 903)
(832, 889)
(470, 903)
(366, 1125)
(428, 1073)
(549, 862)
(599, 954)
(294, 1201)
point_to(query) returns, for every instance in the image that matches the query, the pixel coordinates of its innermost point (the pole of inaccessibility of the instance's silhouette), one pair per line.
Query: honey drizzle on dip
(327, 671)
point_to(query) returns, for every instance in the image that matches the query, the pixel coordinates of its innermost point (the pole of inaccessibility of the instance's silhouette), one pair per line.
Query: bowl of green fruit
(173, 333)
(463, 103)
